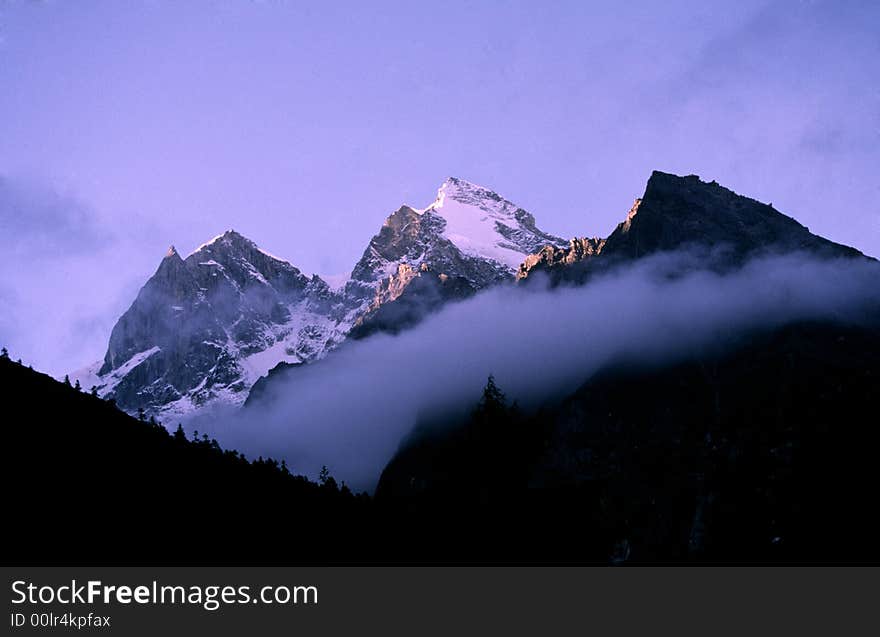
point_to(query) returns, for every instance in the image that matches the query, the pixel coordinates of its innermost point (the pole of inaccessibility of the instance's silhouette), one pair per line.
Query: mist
(351, 410)
(65, 275)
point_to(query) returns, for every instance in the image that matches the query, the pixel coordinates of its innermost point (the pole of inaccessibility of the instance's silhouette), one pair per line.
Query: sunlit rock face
(468, 239)
(551, 256)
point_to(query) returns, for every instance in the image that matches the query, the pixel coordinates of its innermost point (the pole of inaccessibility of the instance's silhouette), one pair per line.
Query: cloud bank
(351, 410)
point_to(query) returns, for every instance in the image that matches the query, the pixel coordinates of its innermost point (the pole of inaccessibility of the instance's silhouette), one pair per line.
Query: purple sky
(125, 127)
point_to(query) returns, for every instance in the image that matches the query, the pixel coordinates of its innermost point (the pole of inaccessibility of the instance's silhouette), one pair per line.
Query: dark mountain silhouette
(764, 452)
(678, 213)
(86, 482)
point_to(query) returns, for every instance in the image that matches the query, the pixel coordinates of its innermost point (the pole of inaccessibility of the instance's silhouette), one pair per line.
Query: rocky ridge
(686, 213)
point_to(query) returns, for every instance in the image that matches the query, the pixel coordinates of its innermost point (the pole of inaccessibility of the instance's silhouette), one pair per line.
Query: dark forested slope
(764, 451)
(85, 482)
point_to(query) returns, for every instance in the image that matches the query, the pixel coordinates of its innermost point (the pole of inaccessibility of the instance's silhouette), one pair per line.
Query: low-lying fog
(351, 410)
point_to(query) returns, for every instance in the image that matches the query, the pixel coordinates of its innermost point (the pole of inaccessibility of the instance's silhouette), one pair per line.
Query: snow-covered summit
(481, 223)
(467, 239)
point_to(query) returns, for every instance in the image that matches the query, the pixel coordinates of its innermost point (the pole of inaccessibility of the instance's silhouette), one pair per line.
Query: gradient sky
(129, 126)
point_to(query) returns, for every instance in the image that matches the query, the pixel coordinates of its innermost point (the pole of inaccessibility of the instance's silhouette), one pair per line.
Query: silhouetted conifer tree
(179, 434)
(67, 380)
(77, 386)
(4, 353)
(493, 398)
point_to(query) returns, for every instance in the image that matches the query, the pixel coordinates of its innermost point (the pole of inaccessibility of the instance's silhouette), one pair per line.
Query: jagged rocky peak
(468, 238)
(676, 212)
(465, 223)
(209, 325)
(229, 240)
(233, 258)
(480, 221)
(406, 237)
(550, 256)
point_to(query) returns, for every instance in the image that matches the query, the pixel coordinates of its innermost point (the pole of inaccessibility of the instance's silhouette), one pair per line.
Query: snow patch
(206, 244)
(88, 376)
(133, 362)
(254, 272)
(272, 256)
(472, 213)
(304, 337)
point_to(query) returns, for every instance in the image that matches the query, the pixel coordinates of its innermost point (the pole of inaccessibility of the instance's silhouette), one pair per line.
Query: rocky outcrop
(677, 212)
(685, 213)
(579, 249)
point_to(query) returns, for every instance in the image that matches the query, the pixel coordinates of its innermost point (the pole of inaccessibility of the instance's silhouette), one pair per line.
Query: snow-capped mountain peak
(467, 239)
(483, 224)
(466, 193)
(204, 328)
